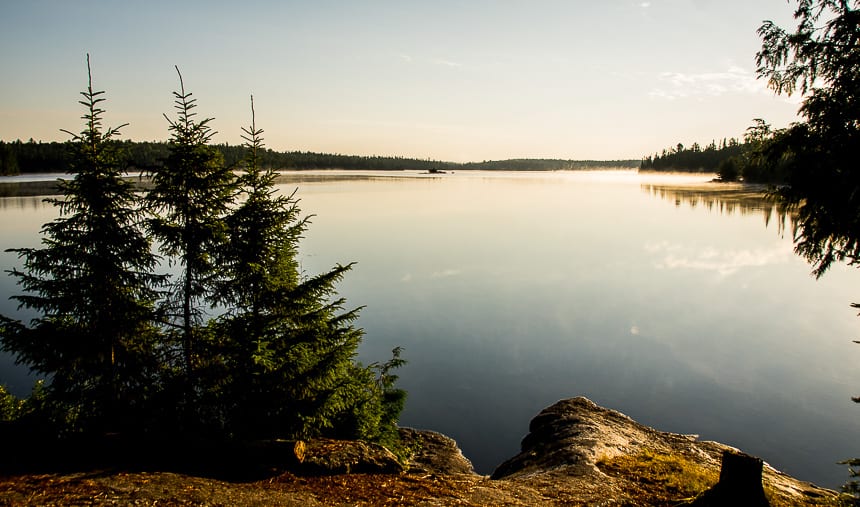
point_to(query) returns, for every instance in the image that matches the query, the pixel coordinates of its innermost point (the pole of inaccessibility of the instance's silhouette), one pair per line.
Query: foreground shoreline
(576, 453)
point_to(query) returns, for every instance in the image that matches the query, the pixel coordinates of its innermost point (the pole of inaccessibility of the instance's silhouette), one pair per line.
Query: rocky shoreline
(576, 453)
(575, 442)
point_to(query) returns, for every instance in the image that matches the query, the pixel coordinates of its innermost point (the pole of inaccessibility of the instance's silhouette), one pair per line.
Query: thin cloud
(392, 125)
(445, 273)
(680, 85)
(645, 5)
(447, 63)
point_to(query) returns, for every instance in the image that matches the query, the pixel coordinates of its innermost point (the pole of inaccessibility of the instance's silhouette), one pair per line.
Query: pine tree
(290, 346)
(190, 195)
(8, 161)
(91, 282)
(821, 60)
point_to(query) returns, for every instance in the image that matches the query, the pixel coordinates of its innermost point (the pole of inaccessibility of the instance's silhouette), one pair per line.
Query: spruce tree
(290, 346)
(190, 196)
(8, 161)
(92, 285)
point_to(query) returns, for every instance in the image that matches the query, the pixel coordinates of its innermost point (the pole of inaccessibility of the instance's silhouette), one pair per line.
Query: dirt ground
(171, 489)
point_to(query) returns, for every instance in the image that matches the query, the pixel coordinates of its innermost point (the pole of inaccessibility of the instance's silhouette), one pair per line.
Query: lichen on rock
(569, 441)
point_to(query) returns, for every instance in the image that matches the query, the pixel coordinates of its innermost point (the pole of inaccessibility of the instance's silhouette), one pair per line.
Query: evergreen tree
(8, 161)
(728, 170)
(289, 346)
(693, 159)
(190, 195)
(821, 59)
(91, 282)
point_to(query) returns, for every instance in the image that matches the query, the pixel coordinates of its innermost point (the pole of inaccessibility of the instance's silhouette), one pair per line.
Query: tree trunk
(740, 483)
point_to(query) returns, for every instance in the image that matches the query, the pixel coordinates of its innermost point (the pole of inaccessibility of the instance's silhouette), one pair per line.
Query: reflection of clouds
(722, 262)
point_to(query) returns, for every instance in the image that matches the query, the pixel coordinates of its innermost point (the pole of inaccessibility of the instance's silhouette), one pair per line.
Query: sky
(454, 80)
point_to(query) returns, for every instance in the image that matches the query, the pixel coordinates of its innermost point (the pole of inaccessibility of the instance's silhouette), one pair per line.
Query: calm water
(653, 295)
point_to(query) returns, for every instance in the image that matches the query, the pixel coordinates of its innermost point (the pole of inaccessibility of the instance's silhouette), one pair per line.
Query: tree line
(18, 157)
(183, 310)
(693, 159)
(731, 160)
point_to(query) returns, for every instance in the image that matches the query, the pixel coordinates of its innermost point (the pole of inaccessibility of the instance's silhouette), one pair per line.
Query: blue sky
(450, 80)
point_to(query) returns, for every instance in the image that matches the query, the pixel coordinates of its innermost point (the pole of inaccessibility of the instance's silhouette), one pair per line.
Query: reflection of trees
(724, 198)
(28, 188)
(50, 188)
(22, 202)
(296, 177)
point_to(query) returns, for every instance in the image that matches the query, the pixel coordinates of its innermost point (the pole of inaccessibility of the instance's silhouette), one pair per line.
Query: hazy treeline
(32, 157)
(693, 159)
(750, 161)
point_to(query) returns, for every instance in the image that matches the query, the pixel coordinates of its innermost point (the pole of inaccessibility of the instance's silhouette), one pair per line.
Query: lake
(675, 301)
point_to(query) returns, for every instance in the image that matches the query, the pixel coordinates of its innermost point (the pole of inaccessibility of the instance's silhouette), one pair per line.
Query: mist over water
(681, 306)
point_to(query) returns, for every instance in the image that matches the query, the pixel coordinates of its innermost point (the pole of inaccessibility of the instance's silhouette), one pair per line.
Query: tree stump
(740, 483)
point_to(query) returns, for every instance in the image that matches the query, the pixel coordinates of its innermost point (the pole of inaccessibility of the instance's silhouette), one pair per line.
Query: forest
(18, 157)
(693, 159)
(751, 161)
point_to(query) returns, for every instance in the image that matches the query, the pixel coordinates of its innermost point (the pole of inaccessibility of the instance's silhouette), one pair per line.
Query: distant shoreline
(44, 157)
(45, 184)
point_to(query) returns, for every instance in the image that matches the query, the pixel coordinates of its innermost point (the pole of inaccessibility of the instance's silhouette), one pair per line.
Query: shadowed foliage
(92, 282)
(236, 343)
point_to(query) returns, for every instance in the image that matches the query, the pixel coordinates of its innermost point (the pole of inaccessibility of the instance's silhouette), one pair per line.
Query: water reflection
(31, 185)
(509, 291)
(22, 202)
(335, 176)
(27, 188)
(724, 198)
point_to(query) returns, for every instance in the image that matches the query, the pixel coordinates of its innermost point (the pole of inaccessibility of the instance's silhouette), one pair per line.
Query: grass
(663, 479)
(670, 479)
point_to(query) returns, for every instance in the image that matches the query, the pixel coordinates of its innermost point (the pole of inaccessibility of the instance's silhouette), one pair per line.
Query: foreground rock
(434, 453)
(576, 453)
(578, 445)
